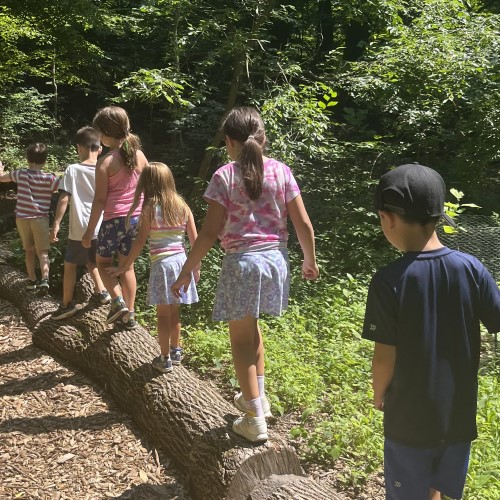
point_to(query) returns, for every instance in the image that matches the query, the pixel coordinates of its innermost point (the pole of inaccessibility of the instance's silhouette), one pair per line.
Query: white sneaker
(252, 428)
(240, 403)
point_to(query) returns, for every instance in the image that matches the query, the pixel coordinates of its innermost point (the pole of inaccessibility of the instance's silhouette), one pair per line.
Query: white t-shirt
(79, 181)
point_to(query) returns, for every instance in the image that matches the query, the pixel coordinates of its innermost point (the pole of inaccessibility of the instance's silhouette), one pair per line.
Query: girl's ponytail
(245, 125)
(129, 149)
(252, 167)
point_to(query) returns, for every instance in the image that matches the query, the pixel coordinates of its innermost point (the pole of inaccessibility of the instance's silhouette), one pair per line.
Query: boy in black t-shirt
(423, 313)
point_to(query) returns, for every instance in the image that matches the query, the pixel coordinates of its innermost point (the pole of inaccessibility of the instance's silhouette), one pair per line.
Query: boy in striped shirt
(34, 195)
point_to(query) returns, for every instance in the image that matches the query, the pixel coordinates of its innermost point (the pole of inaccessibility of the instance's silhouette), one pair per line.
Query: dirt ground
(62, 438)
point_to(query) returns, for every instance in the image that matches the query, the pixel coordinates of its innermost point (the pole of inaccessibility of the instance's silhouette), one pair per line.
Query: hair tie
(251, 136)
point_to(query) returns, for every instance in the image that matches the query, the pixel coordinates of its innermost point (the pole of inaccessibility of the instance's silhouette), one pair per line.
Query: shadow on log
(186, 417)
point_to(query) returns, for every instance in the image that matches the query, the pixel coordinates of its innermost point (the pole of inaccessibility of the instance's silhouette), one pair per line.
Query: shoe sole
(66, 314)
(176, 363)
(243, 409)
(163, 370)
(118, 314)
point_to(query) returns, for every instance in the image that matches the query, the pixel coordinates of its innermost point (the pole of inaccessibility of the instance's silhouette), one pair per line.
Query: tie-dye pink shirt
(252, 225)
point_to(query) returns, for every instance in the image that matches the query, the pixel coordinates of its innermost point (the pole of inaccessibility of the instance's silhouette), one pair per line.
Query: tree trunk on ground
(186, 416)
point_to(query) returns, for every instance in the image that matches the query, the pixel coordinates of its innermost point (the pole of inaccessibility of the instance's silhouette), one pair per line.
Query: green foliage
(483, 479)
(152, 86)
(24, 118)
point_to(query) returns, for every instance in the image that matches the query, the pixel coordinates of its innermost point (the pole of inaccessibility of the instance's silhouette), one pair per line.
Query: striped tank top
(165, 240)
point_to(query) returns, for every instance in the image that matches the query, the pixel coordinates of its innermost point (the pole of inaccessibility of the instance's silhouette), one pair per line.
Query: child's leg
(24, 229)
(30, 260)
(96, 277)
(43, 259)
(435, 495)
(40, 230)
(247, 349)
(168, 326)
(69, 282)
(128, 283)
(110, 282)
(92, 268)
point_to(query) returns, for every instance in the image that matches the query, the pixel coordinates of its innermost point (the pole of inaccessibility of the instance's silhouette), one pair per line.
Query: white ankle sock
(260, 382)
(254, 408)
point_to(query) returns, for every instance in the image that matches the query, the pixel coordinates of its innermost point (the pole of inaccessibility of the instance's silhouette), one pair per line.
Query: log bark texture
(184, 415)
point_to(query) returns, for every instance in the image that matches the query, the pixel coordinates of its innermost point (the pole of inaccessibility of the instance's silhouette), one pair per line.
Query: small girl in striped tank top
(165, 219)
(116, 178)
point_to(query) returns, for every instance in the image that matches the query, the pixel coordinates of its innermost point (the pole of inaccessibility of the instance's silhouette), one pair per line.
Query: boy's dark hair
(36, 153)
(88, 138)
(414, 192)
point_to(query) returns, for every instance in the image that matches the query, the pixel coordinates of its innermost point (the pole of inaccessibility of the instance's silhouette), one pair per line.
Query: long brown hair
(244, 124)
(156, 183)
(113, 121)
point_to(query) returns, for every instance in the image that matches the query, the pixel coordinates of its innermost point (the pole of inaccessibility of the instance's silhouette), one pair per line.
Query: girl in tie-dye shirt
(248, 203)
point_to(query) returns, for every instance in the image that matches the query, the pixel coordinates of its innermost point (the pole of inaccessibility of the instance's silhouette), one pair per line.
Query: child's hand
(115, 271)
(86, 240)
(181, 284)
(310, 270)
(53, 234)
(196, 273)
(379, 405)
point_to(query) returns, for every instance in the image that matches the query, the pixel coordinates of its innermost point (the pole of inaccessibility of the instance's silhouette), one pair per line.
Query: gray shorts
(251, 283)
(78, 254)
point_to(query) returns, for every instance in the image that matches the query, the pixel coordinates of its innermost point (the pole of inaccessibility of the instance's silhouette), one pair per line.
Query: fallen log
(184, 415)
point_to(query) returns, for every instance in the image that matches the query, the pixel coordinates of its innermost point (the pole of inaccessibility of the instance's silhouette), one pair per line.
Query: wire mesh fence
(478, 235)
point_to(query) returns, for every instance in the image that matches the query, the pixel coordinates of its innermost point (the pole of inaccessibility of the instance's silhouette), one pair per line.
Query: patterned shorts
(252, 283)
(162, 276)
(115, 238)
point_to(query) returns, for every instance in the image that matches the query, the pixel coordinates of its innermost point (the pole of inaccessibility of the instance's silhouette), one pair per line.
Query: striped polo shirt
(165, 240)
(34, 192)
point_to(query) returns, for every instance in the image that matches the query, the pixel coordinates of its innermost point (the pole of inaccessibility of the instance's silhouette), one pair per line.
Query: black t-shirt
(429, 305)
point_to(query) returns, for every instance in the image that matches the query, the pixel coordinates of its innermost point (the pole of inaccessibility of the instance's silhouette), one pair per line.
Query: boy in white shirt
(77, 189)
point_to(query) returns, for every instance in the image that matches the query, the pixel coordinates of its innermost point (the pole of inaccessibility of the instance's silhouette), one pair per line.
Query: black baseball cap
(412, 190)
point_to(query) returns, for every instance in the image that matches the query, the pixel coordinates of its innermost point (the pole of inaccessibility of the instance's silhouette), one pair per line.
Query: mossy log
(185, 416)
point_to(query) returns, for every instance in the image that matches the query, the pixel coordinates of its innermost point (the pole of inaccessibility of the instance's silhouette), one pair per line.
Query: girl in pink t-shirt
(248, 203)
(116, 178)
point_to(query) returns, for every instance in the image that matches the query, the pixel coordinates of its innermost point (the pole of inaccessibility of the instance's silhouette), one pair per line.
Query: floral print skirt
(162, 276)
(251, 283)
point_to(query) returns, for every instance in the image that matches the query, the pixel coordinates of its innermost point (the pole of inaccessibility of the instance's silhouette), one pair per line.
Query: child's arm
(211, 228)
(137, 246)
(192, 235)
(62, 205)
(101, 193)
(384, 359)
(305, 234)
(4, 177)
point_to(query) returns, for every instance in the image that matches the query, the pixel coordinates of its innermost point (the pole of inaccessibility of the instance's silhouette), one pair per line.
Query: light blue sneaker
(162, 364)
(176, 355)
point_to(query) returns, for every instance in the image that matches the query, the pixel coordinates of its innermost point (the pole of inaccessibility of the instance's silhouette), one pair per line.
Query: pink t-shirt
(252, 225)
(121, 190)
